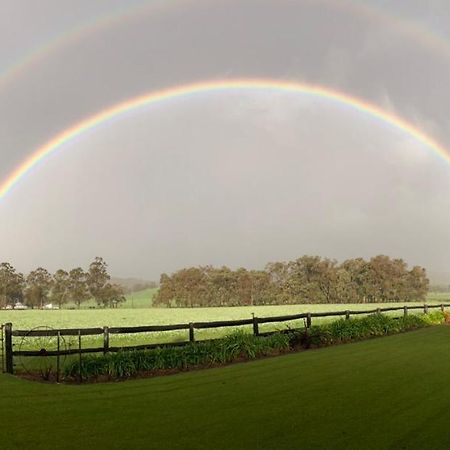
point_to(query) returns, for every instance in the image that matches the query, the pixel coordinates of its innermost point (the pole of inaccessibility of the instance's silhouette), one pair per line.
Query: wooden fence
(8, 352)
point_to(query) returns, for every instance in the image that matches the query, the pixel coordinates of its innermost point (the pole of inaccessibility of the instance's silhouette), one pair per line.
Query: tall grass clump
(342, 330)
(234, 347)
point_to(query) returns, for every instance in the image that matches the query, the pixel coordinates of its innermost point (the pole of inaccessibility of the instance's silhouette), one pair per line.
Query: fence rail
(8, 332)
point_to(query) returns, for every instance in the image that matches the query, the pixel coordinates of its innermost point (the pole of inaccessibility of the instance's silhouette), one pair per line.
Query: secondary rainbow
(138, 8)
(215, 86)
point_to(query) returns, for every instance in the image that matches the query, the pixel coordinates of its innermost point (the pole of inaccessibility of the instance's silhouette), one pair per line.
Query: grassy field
(144, 299)
(154, 316)
(140, 299)
(86, 318)
(386, 393)
(439, 297)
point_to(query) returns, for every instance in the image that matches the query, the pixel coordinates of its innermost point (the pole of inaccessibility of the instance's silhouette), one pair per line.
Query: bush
(236, 346)
(343, 330)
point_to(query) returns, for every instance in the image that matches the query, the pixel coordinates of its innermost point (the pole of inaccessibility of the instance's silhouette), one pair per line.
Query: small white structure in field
(51, 306)
(19, 305)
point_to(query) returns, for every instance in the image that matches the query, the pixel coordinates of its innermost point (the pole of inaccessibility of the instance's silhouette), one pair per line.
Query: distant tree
(417, 284)
(110, 295)
(304, 277)
(386, 279)
(166, 292)
(61, 288)
(260, 288)
(38, 286)
(190, 286)
(78, 291)
(357, 271)
(308, 279)
(219, 286)
(280, 283)
(97, 278)
(344, 289)
(11, 285)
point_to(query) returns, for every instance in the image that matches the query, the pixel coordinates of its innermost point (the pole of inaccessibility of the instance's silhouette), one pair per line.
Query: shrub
(235, 346)
(362, 328)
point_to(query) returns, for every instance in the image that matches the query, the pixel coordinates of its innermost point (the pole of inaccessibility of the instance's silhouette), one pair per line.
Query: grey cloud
(237, 179)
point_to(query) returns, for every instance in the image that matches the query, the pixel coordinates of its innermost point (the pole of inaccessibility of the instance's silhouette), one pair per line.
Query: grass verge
(389, 393)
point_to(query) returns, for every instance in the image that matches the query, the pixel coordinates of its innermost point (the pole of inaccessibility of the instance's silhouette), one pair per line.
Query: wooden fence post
(58, 357)
(80, 373)
(105, 340)
(442, 308)
(425, 309)
(308, 320)
(9, 363)
(255, 326)
(347, 315)
(405, 310)
(2, 337)
(191, 332)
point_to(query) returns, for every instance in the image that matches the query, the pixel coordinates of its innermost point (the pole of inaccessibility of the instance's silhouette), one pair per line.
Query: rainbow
(82, 30)
(58, 141)
(139, 8)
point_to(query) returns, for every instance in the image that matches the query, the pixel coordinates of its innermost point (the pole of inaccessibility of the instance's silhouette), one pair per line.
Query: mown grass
(387, 393)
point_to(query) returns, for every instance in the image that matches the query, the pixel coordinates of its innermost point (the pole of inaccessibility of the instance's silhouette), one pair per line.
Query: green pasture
(87, 318)
(441, 297)
(156, 316)
(384, 393)
(140, 299)
(144, 299)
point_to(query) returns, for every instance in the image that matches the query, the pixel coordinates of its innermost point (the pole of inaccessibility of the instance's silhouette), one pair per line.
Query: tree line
(76, 286)
(309, 279)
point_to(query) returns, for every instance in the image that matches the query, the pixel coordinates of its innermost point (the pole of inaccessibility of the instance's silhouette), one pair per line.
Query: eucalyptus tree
(60, 293)
(39, 283)
(78, 291)
(97, 278)
(11, 285)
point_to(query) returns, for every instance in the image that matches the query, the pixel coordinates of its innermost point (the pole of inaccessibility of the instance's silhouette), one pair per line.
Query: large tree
(308, 279)
(39, 285)
(77, 286)
(97, 278)
(417, 284)
(110, 295)
(357, 271)
(61, 288)
(11, 285)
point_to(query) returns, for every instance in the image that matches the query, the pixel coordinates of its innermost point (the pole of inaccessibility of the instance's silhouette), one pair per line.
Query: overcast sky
(236, 178)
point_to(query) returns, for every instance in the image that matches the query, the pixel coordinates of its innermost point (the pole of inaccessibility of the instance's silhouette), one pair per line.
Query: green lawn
(385, 393)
